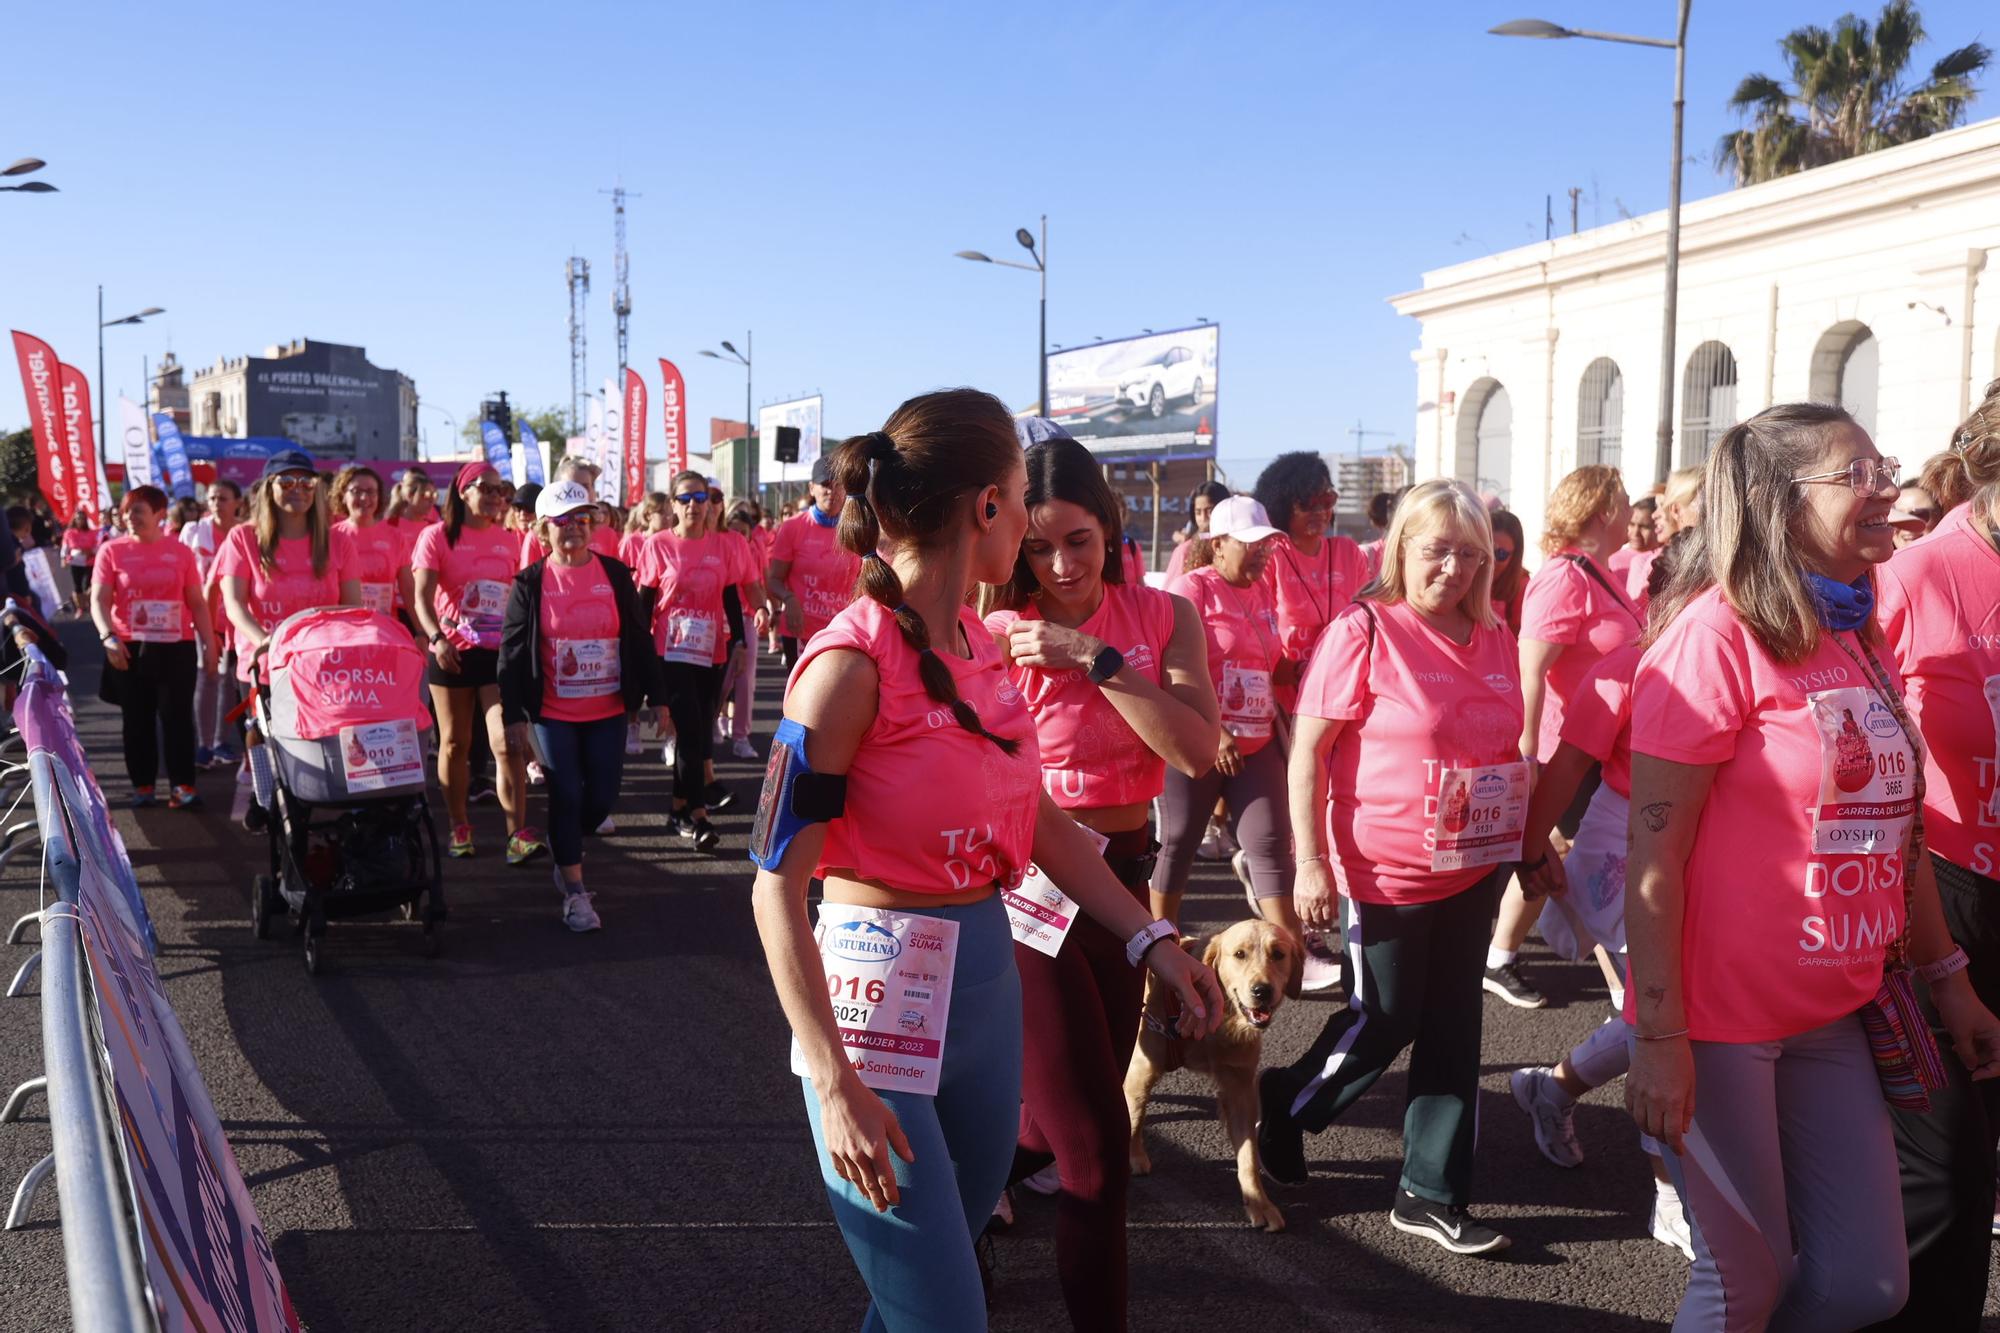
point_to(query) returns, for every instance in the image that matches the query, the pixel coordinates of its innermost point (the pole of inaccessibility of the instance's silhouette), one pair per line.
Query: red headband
(470, 473)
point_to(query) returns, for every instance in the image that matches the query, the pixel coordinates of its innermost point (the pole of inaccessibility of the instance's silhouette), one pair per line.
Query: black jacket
(520, 667)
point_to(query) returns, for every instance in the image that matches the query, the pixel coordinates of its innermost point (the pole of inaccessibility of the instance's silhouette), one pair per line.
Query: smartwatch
(1105, 665)
(1136, 947)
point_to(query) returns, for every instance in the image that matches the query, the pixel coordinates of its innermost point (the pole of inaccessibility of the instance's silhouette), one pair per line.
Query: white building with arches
(1873, 282)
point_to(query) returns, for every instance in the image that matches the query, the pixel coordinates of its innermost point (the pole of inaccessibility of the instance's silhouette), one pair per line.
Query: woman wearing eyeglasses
(681, 576)
(463, 568)
(413, 506)
(1574, 613)
(1510, 576)
(1775, 876)
(386, 584)
(286, 559)
(1408, 800)
(1312, 576)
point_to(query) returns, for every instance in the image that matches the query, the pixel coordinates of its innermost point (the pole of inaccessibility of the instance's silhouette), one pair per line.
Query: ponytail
(861, 466)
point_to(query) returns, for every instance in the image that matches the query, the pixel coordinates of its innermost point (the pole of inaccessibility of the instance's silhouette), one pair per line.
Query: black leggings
(1080, 1016)
(691, 694)
(158, 709)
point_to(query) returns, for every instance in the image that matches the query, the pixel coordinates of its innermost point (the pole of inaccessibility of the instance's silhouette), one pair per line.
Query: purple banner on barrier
(207, 1259)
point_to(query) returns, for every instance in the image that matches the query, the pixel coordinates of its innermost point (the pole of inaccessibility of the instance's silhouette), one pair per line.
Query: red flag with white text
(41, 381)
(82, 442)
(673, 406)
(635, 437)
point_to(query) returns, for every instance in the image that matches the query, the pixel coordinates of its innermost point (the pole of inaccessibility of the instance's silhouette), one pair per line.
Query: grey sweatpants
(1260, 817)
(1790, 1175)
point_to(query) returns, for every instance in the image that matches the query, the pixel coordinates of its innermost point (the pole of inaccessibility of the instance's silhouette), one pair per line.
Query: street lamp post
(742, 359)
(102, 324)
(1040, 266)
(22, 166)
(446, 415)
(1663, 460)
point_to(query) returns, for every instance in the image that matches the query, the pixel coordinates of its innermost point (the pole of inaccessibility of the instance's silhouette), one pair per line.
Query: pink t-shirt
(412, 526)
(581, 670)
(1241, 626)
(78, 545)
(1177, 562)
(383, 555)
(1794, 885)
(150, 585)
(474, 578)
(602, 540)
(932, 808)
(1091, 757)
(1371, 552)
(1939, 605)
(688, 621)
(823, 572)
(1599, 720)
(1638, 572)
(1414, 705)
(1567, 604)
(630, 544)
(290, 586)
(1310, 590)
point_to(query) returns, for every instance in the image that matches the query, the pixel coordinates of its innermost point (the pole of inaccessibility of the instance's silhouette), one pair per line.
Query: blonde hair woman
(1413, 696)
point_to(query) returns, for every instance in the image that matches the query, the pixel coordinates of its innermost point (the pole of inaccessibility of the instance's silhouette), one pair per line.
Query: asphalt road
(547, 1131)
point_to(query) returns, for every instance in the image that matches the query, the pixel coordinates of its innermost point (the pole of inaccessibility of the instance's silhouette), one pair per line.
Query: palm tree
(1846, 96)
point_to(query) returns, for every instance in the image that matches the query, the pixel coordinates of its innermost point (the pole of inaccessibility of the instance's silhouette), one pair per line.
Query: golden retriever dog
(1259, 966)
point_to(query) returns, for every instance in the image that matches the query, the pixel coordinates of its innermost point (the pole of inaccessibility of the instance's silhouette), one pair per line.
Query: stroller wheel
(261, 893)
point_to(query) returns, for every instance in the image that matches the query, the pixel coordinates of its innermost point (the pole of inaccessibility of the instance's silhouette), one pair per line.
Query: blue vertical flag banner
(497, 452)
(173, 457)
(532, 447)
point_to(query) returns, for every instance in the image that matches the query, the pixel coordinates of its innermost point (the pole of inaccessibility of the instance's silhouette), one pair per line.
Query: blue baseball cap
(289, 460)
(1034, 430)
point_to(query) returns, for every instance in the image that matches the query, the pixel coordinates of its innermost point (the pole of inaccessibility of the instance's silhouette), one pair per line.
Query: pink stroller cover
(348, 666)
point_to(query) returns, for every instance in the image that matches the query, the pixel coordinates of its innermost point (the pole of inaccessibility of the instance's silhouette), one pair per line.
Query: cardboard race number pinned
(1480, 815)
(375, 755)
(1039, 913)
(889, 978)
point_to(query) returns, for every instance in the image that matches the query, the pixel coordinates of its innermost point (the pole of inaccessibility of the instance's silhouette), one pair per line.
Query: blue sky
(411, 177)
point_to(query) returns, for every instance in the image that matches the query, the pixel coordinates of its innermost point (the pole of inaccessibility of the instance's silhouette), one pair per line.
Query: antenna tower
(621, 286)
(577, 270)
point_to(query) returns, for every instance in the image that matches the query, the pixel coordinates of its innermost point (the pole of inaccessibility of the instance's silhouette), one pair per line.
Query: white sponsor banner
(611, 446)
(137, 441)
(803, 413)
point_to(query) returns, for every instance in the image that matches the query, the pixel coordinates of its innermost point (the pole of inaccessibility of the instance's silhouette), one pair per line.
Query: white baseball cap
(564, 497)
(1239, 516)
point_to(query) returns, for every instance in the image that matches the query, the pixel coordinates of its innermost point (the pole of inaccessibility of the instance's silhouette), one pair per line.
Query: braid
(857, 464)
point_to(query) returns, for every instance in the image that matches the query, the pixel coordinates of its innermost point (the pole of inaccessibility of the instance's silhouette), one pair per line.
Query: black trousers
(158, 707)
(1947, 1157)
(1416, 986)
(691, 692)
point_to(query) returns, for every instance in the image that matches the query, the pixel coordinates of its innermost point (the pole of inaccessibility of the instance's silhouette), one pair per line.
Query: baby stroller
(339, 700)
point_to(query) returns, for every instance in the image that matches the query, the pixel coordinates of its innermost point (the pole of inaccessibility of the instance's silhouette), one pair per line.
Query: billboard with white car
(1150, 396)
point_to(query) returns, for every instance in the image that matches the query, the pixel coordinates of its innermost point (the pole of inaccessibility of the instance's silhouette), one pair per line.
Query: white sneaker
(1322, 964)
(1240, 864)
(609, 825)
(535, 775)
(1214, 843)
(633, 745)
(1535, 1092)
(667, 754)
(1670, 1224)
(578, 914)
(743, 749)
(1045, 1181)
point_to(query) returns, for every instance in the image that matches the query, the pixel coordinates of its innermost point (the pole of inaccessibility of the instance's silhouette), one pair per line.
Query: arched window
(1600, 414)
(1708, 400)
(1845, 367)
(1486, 438)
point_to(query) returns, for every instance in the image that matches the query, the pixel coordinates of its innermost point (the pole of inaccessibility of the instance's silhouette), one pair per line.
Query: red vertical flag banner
(635, 437)
(673, 405)
(41, 381)
(82, 443)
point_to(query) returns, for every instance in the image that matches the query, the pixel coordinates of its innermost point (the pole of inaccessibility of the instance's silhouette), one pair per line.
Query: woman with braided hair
(907, 777)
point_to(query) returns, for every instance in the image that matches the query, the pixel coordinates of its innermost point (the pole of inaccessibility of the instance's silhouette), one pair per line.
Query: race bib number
(888, 976)
(1867, 782)
(1039, 913)
(690, 638)
(483, 599)
(1993, 707)
(586, 668)
(1480, 815)
(156, 621)
(374, 755)
(1247, 706)
(379, 597)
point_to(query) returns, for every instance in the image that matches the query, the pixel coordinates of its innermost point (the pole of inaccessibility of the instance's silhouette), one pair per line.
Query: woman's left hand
(1050, 647)
(1189, 978)
(1975, 1032)
(1228, 757)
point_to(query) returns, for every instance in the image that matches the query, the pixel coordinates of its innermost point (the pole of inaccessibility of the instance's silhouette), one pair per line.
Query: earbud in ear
(992, 511)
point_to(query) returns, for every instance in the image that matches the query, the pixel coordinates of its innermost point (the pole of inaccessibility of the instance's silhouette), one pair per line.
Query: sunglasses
(1502, 555)
(1324, 500)
(1865, 476)
(495, 488)
(692, 497)
(574, 518)
(296, 483)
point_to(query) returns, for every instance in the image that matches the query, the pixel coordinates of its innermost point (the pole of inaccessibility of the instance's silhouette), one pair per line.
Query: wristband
(436, 634)
(1532, 866)
(1136, 947)
(1664, 1036)
(1308, 860)
(1937, 971)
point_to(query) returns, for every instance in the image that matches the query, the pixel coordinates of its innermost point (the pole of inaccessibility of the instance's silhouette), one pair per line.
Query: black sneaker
(1281, 1144)
(706, 839)
(1507, 982)
(717, 797)
(1453, 1228)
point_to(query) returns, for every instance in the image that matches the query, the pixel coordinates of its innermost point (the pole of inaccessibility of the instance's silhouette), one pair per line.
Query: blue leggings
(584, 762)
(917, 1258)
